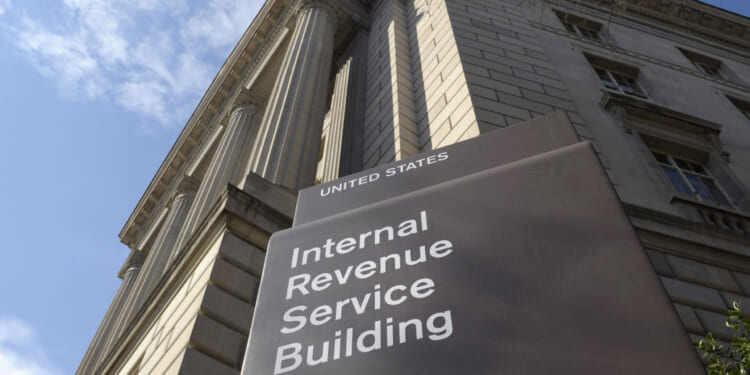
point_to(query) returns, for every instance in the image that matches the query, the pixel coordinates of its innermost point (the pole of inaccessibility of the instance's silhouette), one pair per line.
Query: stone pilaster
(95, 350)
(158, 258)
(116, 320)
(227, 166)
(342, 152)
(286, 149)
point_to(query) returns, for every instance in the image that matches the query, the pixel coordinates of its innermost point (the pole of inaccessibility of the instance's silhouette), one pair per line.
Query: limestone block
(218, 341)
(689, 319)
(743, 280)
(693, 295)
(659, 261)
(227, 309)
(705, 274)
(715, 323)
(241, 253)
(197, 363)
(234, 280)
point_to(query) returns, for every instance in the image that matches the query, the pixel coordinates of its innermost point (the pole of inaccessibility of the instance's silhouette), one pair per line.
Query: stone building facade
(316, 90)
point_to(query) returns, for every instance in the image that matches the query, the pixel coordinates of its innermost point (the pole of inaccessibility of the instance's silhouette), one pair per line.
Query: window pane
(627, 84)
(699, 188)
(661, 158)
(677, 180)
(569, 27)
(623, 81)
(715, 191)
(588, 33)
(604, 77)
(698, 168)
(683, 164)
(710, 70)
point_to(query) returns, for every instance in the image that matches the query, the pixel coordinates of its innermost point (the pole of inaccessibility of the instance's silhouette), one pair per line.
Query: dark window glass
(682, 164)
(700, 189)
(698, 168)
(677, 181)
(715, 191)
(661, 158)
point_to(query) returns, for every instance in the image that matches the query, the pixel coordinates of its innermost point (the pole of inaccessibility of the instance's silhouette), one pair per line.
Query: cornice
(642, 108)
(611, 48)
(224, 90)
(134, 261)
(734, 242)
(207, 110)
(689, 16)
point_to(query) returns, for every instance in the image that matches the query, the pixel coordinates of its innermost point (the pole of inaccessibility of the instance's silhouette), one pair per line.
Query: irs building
(319, 90)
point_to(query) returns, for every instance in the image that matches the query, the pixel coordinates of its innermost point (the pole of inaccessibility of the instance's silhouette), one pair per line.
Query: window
(618, 81)
(704, 64)
(617, 76)
(687, 150)
(691, 178)
(742, 105)
(580, 26)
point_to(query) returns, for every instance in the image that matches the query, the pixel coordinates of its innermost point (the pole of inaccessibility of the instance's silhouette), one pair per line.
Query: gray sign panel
(461, 159)
(526, 268)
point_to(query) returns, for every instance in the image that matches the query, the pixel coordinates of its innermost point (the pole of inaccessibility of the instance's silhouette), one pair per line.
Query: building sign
(529, 267)
(461, 159)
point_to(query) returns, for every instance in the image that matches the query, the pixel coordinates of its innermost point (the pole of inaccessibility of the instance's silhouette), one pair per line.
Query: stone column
(342, 153)
(95, 350)
(286, 149)
(227, 166)
(158, 258)
(114, 322)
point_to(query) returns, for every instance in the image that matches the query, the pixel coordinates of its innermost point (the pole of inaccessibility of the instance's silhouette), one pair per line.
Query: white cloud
(20, 353)
(219, 22)
(151, 57)
(4, 5)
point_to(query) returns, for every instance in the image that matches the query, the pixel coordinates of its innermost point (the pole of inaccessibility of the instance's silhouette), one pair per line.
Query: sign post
(525, 267)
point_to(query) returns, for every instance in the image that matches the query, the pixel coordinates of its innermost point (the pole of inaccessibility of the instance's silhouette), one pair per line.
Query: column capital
(247, 107)
(187, 184)
(133, 263)
(334, 12)
(187, 187)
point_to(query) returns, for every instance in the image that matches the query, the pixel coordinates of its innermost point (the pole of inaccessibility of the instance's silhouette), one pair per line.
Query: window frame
(741, 105)
(716, 193)
(705, 64)
(616, 76)
(580, 26)
(621, 82)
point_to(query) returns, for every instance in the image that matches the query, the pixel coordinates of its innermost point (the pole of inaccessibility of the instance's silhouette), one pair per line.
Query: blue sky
(93, 94)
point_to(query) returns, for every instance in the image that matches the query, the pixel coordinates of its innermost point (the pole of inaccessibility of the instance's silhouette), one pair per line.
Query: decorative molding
(270, 47)
(648, 110)
(207, 113)
(226, 88)
(640, 56)
(700, 228)
(134, 261)
(691, 17)
(187, 184)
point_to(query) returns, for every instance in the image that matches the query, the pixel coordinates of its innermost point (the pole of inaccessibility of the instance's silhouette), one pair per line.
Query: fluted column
(286, 149)
(123, 299)
(227, 166)
(157, 260)
(95, 350)
(342, 152)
